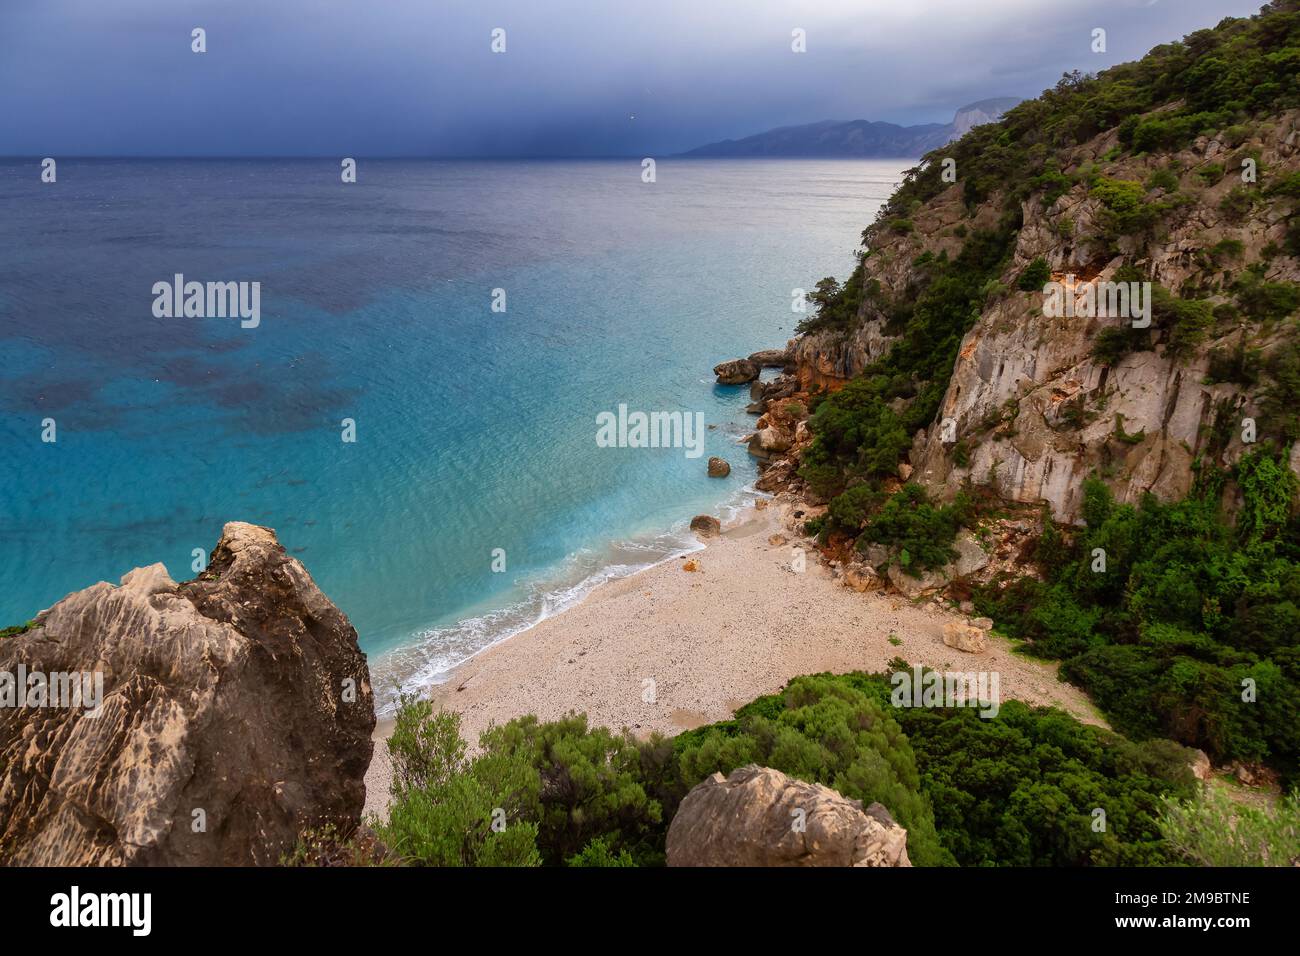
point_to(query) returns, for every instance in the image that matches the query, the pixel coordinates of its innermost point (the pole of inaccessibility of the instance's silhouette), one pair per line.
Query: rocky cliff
(1033, 403)
(236, 710)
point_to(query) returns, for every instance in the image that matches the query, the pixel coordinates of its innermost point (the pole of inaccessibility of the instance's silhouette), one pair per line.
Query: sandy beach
(699, 643)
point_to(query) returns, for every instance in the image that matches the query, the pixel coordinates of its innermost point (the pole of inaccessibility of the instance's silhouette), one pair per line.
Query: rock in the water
(736, 372)
(963, 637)
(749, 819)
(718, 468)
(236, 711)
(706, 526)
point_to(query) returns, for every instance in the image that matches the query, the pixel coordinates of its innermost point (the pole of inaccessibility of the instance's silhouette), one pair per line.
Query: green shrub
(448, 811)
(1165, 179)
(536, 793)
(1116, 341)
(921, 531)
(1238, 365)
(1237, 204)
(597, 853)
(593, 784)
(1186, 609)
(1266, 301)
(1211, 174)
(1185, 321)
(1226, 249)
(850, 511)
(425, 747)
(1035, 276)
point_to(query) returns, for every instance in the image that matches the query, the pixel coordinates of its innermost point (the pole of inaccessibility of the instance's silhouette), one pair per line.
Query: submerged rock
(758, 816)
(236, 711)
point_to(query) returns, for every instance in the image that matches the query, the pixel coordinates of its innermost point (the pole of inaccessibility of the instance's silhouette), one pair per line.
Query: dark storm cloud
(417, 77)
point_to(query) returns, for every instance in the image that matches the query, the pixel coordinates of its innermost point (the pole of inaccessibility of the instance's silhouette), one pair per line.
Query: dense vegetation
(1021, 788)
(1178, 623)
(862, 431)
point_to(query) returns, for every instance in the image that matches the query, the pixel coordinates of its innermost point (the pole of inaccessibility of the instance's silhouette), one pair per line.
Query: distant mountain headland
(858, 138)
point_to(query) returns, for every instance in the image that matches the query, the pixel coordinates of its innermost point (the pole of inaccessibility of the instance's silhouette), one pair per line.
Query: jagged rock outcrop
(772, 358)
(236, 710)
(758, 816)
(736, 372)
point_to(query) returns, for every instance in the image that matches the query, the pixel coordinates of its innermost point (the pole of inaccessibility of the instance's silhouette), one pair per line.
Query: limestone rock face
(236, 710)
(760, 817)
(736, 372)
(1034, 409)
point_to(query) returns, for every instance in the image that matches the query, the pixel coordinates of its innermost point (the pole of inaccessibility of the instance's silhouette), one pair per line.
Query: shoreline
(702, 643)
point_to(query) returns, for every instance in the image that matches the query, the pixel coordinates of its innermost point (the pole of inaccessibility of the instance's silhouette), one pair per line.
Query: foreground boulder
(760, 817)
(236, 710)
(719, 468)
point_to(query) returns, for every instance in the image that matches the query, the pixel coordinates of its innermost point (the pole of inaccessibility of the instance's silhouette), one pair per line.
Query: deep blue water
(475, 430)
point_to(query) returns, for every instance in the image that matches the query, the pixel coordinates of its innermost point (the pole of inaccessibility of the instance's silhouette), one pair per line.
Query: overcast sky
(589, 78)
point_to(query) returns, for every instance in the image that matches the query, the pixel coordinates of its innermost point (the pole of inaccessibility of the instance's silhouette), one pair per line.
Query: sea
(415, 409)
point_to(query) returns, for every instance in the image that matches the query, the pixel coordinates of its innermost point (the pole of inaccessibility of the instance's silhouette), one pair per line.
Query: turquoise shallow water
(475, 430)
